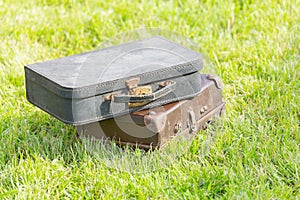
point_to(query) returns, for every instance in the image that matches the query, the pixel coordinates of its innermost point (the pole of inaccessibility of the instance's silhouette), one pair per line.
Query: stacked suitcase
(141, 93)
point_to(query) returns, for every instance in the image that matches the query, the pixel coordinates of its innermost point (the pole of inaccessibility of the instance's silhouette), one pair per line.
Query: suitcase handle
(166, 88)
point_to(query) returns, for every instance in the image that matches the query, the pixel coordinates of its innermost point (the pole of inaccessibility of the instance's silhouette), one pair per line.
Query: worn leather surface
(95, 108)
(101, 71)
(156, 126)
(73, 88)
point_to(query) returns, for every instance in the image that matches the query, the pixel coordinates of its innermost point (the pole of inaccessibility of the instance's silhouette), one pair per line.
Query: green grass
(255, 48)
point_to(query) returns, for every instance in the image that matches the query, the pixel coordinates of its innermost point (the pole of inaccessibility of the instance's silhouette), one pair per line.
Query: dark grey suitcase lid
(105, 70)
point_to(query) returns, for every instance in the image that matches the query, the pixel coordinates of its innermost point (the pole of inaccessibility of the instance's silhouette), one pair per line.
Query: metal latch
(141, 95)
(132, 83)
(191, 123)
(134, 89)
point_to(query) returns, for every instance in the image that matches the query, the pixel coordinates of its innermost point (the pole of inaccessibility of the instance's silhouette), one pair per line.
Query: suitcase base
(202, 124)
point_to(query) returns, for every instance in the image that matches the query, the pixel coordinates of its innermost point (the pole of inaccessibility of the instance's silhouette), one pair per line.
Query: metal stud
(152, 112)
(202, 110)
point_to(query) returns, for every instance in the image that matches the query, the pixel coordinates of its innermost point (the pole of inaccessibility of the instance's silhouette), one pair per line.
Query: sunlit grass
(255, 153)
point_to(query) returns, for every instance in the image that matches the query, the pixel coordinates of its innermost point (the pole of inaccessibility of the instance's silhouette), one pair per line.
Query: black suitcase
(153, 128)
(114, 81)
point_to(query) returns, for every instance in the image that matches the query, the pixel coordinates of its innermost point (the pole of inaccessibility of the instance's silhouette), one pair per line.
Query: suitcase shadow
(42, 136)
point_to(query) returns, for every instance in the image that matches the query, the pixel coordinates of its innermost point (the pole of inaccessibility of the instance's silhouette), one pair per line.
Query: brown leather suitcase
(152, 128)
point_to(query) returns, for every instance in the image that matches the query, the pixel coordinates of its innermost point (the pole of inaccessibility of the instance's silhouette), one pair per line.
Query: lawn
(254, 46)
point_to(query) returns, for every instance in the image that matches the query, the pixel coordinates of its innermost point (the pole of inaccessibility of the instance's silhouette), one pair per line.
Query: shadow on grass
(38, 135)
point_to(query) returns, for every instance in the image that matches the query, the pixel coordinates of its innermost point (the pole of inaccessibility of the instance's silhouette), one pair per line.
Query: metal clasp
(191, 123)
(132, 83)
(134, 89)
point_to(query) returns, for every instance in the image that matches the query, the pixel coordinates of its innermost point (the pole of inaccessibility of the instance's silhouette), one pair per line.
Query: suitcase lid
(106, 70)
